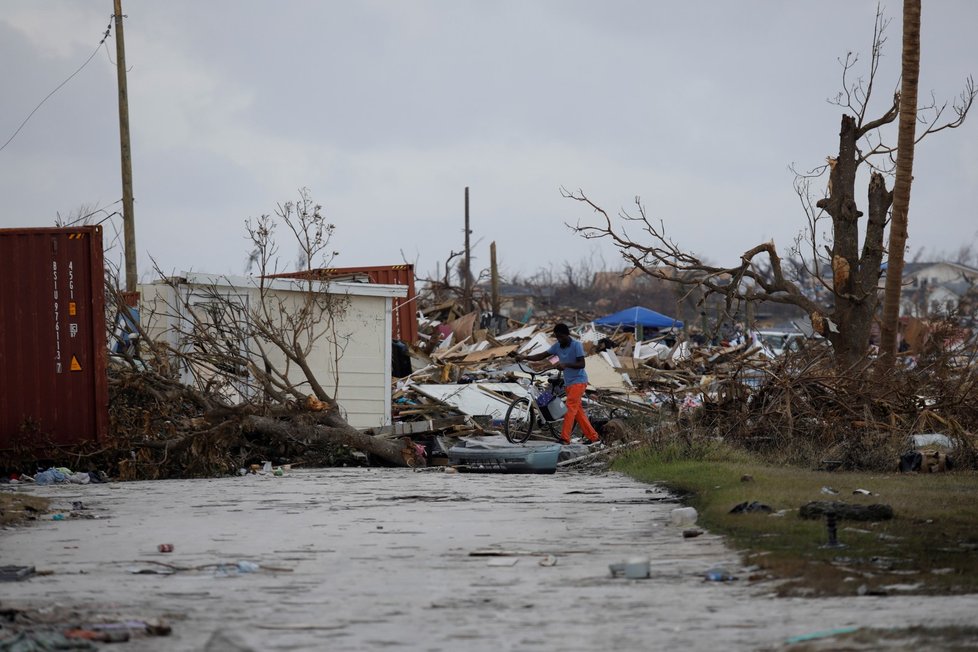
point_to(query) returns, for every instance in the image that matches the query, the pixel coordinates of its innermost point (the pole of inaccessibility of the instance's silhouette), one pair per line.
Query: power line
(92, 56)
(97, 210)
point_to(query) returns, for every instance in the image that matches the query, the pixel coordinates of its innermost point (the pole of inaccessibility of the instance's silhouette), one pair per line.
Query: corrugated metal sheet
(405, 319)
(52, 337)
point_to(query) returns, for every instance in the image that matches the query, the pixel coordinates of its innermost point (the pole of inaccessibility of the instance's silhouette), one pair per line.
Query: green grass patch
(929, 547)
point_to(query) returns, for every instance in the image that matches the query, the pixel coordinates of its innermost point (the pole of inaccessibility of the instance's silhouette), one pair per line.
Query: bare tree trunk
(854, 289)
(333, 430)
(901, 186)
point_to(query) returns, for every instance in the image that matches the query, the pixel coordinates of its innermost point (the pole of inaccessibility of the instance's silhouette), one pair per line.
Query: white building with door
(350, 354)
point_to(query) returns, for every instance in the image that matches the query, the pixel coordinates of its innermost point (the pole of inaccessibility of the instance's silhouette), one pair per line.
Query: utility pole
(128, 219)
(495, 278)
(467, 285)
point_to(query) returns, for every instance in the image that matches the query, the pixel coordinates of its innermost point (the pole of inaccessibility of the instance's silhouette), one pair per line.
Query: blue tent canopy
(638, 316)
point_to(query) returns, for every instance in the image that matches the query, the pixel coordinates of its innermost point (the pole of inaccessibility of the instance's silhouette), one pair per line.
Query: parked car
(780, 342)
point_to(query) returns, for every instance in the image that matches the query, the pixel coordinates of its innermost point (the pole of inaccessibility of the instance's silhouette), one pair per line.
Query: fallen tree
(163, 428)
(224, 379)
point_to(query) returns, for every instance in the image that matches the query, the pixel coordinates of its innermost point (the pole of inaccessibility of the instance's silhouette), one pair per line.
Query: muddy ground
(355, 559)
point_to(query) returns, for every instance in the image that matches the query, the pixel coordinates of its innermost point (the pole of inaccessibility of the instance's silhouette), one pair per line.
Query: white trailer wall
(351, 356)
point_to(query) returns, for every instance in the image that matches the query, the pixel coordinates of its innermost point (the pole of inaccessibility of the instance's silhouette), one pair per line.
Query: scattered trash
(751, 507)
(151, 627)
(59, 517)
(864, 492)
(549, 560)
(931, 439)
(165, 547)
(830, 491)
(31, 641)
(692, 533)
(100, 636)
(62, 475)
(15, 573)
(502, 561)
(51, 476)
(635, 568)
(925, 460)
(683, 516)
(824, 634)
(221, 569)
(747, 478)
(152, 571)
(238, 568)
(718, 574)
(499, 552)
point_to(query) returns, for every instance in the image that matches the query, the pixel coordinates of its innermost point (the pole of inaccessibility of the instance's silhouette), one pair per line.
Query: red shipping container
(404, 325)
(53, 353)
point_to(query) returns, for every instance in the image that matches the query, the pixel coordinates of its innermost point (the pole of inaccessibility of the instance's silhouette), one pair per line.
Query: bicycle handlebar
(533, 373)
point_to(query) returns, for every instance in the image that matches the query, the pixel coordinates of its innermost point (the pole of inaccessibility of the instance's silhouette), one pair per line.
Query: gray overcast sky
(386, 110)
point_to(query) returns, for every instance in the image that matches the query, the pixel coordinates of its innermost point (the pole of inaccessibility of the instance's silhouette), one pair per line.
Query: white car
(780, 342)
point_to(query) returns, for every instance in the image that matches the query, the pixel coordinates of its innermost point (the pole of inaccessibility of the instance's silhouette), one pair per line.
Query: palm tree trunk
(901, 185)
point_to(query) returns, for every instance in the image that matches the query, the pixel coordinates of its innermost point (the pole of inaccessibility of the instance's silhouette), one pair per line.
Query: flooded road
(365, 559)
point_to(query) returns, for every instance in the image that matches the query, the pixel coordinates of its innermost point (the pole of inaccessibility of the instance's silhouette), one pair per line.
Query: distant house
(520, 302)
(937, 289)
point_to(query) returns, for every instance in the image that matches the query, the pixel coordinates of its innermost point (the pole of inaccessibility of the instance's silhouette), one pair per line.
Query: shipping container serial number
(72, 313)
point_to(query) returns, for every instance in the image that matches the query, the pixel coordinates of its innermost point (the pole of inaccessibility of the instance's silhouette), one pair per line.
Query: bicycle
(543, 410)
(527, 414)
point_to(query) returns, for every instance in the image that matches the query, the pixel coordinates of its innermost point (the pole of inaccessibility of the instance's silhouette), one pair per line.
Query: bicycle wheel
(520, 419)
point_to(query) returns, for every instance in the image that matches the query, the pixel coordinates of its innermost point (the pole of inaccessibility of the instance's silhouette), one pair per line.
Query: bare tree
(848, 274)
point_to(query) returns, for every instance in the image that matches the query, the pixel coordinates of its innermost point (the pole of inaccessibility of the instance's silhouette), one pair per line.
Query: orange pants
(575, 412)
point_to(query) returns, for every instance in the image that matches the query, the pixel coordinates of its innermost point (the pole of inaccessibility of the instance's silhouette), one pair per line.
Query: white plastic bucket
(556, 409)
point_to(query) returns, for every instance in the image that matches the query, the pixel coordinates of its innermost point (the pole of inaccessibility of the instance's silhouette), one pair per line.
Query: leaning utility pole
(128, 219)
(467, 283)
(494, 279)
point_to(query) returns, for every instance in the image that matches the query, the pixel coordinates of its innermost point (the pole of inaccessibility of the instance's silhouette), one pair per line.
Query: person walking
(570, 360)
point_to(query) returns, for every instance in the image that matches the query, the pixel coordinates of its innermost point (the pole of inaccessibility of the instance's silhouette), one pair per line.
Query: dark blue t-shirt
(567, 356)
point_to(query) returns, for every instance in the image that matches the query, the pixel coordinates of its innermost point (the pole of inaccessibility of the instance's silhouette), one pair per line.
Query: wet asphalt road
(381, 559)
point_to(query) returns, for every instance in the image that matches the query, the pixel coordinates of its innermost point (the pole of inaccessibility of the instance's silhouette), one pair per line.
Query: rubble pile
(793, 406)
(809, 412)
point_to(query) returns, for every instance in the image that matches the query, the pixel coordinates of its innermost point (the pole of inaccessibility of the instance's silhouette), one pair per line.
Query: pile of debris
(793, 406)
(461, 363)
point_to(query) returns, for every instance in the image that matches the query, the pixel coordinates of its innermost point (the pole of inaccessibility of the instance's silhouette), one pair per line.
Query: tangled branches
(807, 412)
